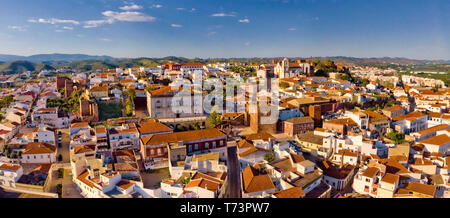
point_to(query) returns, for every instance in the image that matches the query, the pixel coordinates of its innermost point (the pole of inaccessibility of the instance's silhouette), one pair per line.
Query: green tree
(284, 85)
(132, 93)
(129, 107)
(398, 137)
(214, 119)
(269, 157)
(365, 82)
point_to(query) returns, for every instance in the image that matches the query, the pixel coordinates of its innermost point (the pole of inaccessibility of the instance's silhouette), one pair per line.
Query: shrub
(61, 173)
(269, 157)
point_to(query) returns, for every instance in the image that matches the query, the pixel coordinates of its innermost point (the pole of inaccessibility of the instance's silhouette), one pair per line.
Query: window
(221, 142)
(196, 146)
(207, 145)
(152, 152)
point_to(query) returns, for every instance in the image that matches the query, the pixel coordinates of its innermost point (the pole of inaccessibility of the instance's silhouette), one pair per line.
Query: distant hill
(23, 66)
(52, 57)
(87, 62)
(6, 58)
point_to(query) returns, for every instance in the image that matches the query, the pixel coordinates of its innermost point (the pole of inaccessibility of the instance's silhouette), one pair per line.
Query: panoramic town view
(224, 99)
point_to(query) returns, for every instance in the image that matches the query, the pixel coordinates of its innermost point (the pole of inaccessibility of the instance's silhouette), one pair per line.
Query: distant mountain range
(18, 64)
(52, 57)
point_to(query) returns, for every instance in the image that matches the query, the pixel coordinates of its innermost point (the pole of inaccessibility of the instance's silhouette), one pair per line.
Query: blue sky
(227, 28)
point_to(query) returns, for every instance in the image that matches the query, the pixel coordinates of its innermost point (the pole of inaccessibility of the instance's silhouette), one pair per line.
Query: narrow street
(64, 150)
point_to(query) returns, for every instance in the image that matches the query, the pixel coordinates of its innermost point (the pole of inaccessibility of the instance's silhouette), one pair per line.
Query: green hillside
(23, 66)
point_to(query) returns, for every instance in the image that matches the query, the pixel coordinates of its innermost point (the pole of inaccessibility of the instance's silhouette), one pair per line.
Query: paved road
(64, 150)
(69, 188)
(233, 189)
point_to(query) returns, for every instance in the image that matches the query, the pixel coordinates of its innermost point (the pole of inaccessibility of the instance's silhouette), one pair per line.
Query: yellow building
(99, 92)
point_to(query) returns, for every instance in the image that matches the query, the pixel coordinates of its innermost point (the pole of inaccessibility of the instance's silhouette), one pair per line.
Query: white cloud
(68, 28)
(112, 16)
(176, 25)
(59, 31)
(184, 9)
(292, 29)
(54, 21)
(18, 28)
(156, 6)
(130, 16)
(131, 7)
(96, 23)
(223, 15)
(212, 33)
(244, 21)
(105, 39)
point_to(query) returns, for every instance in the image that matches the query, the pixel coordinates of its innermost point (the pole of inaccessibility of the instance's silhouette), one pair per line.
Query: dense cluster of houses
(331, 137)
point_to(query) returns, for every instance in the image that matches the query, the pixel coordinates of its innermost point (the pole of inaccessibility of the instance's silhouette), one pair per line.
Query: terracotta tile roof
(182, 136)
(79, 149)
(335, 171)
(438, 140)
(193, 64)
(413, 115)
(311, 138)
(347, 152)
(296, 120)
(370, 172)
(204, 183)
(394, 167)
(245, 144)
(39, 148)
(152, 126)
(99, 89)
(433, 129)
(259, 136)
(43, 110)
(199, 175)
(435, 115)
(10, 167)
(346, 121)
(294, 192)
(394, 108)
(297, 158)
(253, 182)
(390, 178)
(165, 91)
(119, 130)
(374, 116)
(100, 130)
(125, 184)
(84, 178)
(421, 188)
(252, 150)
(77, 125)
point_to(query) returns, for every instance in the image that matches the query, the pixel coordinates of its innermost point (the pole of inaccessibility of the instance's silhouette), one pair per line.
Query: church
(285, 69)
